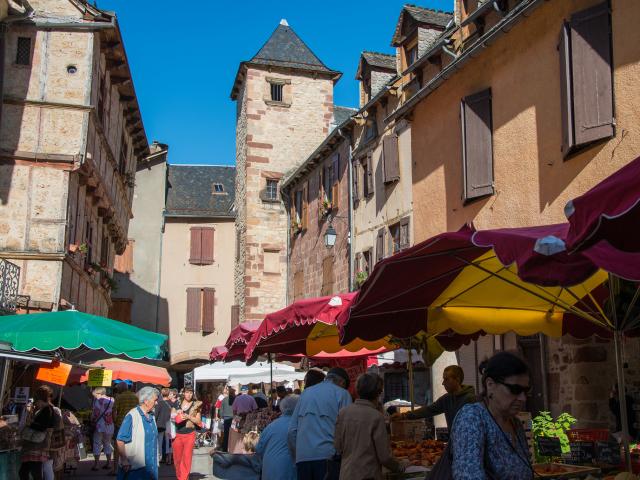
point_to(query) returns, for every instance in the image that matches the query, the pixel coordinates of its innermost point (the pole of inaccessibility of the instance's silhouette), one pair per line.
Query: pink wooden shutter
(206, 245)
(195, 256)
(194, 308)
(208, 310)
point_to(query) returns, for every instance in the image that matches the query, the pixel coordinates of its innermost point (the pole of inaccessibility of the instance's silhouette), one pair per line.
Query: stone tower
(284, 98)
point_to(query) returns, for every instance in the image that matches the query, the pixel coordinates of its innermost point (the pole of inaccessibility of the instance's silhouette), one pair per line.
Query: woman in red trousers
(187, 419)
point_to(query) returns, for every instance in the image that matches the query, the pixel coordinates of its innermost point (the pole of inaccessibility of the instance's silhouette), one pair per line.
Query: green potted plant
(545, 426)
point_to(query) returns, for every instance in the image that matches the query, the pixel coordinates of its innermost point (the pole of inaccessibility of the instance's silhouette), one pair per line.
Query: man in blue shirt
(313, 425)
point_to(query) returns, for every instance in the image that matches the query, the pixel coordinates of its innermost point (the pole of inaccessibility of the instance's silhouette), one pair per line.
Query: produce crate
(588, 435)
(408, 430)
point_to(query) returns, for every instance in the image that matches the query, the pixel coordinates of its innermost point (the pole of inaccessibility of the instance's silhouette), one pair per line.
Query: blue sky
(184, 57)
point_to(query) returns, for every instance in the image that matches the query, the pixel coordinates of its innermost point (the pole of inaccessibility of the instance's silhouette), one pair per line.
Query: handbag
(31, 435)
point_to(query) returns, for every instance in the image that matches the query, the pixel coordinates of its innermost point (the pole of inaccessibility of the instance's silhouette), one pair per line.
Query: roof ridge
(199, 165)
(435, 10)
(379, 53)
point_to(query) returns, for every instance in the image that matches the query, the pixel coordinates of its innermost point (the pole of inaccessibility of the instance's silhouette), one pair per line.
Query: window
(586, 85)
(104, 250)
(367, 172)
(477, 145)
(394, 235)
(277, 92)
(335, 181)
(390, 159)
(200, 310)
(405, 234)
(371, 127)
(23, 51)
(201, 249)
(326, 184)
(298, 207)
(124, 263)
(367, 259)
(412, 55)
(124, 148)
(218, 188)
(271, 191)
(327, 276)
(380, 245)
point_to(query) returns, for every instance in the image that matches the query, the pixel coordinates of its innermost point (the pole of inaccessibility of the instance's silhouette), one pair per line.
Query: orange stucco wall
(532, 181)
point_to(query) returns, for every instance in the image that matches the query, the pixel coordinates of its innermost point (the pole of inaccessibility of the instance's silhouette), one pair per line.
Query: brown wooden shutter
(391, 161)
(208, 310)
(380, 245)
(292, 213)
(195, 256)
(355, 184)
(121, 310)
(568, 140)
(591, 74)
(298, 285)
(327, 276)
(335, 182)
(369, 175)
(235, 315)
(369, 260)
(194, 309)
(405, 235)
(304, 219)
(207, 234)
(477, 148)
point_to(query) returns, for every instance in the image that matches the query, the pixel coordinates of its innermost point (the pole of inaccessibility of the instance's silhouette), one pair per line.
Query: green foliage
(361, 277)
(544, 426)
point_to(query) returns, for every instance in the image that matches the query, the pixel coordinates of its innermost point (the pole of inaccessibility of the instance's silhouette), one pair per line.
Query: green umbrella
(71, 329)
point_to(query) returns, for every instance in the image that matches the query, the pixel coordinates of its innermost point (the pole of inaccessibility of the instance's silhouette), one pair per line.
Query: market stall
(124, 370)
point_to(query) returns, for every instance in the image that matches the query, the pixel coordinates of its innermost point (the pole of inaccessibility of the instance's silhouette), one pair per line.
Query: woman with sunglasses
(488, 441)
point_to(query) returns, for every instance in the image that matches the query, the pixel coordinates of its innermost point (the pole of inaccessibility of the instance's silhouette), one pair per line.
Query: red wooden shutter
(207, 234)
(194, 309)
(335, 181)
(195, 256)
(477, 147)
(591, 74)
(235, 315)
(208, 310)
(391, 161)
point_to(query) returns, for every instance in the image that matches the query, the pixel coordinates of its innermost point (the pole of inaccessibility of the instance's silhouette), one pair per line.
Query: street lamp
(330, 237)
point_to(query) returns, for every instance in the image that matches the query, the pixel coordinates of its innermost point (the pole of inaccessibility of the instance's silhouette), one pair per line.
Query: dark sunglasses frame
(515, 389)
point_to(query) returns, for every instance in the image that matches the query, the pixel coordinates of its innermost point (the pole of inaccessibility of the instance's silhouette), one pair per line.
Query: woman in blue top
(488, 441)
(277, 463)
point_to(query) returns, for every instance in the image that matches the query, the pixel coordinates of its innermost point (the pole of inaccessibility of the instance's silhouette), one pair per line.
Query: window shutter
(477, 148)
(568, 140)
(380, 245)
(358, 262)
(235, 315)
(369, 175)
(327, 276)
(305, 206)
(195, 256)
(369, 260)
(335, 182)
(391, 161)
(355, 190)
(591, 75)
(298, 285)
(292, 213)
(206, 238)
(193, 310)
(405, 235)
(208, 310)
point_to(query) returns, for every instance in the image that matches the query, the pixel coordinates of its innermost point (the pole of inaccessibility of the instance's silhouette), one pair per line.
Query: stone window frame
(32, 43)
(286, 92)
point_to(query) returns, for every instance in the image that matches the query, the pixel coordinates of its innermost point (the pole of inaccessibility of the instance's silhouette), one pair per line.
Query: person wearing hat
(312, 427)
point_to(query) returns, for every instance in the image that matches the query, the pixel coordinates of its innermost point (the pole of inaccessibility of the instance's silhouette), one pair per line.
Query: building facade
(284, 98)
(515, 109)
(70, 138)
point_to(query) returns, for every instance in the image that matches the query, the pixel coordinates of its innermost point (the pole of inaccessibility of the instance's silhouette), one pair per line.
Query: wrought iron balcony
(9, 282)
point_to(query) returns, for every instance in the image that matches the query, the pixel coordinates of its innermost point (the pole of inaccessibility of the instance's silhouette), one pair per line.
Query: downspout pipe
(349, 138)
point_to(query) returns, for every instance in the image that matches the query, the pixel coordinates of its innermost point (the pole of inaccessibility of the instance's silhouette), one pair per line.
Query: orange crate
(588, 435)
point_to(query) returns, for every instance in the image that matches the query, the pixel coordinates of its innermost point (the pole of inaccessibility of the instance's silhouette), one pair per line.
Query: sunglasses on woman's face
(516, 389)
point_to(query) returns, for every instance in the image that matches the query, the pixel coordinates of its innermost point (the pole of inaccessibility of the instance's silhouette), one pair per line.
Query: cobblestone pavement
(200, 470)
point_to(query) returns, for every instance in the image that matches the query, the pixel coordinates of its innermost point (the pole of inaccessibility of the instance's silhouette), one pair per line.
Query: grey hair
(288, 404)
(100, 391)
(147, 393)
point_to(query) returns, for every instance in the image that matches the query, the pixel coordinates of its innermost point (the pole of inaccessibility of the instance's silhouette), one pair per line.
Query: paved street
(200, 470)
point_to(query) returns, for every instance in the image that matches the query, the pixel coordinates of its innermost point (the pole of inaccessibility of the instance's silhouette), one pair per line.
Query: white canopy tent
(238, 372)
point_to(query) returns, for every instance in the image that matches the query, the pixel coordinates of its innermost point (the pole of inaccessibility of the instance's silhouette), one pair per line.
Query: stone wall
(278, 137)
(241, 201)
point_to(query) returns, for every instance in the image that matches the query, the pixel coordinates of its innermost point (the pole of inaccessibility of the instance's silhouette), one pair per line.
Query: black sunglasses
(515, 389)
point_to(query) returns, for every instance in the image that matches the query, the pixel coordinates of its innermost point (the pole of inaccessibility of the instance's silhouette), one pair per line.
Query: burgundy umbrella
(238, 339)
(218, 354)
(610, 211)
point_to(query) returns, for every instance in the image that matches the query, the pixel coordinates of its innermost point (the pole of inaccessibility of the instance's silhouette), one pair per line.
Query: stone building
(70, 138)
(285, 109)
(516, 108)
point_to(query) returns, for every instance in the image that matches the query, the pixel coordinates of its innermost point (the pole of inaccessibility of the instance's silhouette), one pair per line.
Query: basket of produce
(425, 453)
(407, 430)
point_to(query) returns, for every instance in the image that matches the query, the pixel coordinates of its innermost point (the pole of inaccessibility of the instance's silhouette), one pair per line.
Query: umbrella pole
(411, 377)
(271, 374)
(622, 397)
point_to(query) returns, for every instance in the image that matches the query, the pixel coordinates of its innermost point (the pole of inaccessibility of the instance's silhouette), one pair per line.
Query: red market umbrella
(218, 354)
(308, 327)
(610, 211)
(134, 371)
(238, 339)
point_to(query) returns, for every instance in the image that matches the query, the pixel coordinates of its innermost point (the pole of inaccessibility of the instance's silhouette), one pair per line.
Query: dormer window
(218, 188)
(412, 54)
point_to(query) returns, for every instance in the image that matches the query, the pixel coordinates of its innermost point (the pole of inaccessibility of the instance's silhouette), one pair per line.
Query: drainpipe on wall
(350, 200)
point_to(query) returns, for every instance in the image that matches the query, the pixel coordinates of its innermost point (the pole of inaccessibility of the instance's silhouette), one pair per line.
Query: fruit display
(425, 453)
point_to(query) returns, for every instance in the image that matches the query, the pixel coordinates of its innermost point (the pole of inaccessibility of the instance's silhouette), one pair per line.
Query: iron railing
(9, 282)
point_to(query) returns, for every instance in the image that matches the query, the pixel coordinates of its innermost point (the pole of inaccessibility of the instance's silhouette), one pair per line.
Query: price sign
(582, 452)
(608, 453)
(442, 434)
(549, 446)
(21, 395)
(99, 377)
(56, 374)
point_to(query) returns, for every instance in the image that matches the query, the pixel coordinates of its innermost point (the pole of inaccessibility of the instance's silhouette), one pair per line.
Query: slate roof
(436, 18)
(190, 191)
(381, 60)
(342, 114)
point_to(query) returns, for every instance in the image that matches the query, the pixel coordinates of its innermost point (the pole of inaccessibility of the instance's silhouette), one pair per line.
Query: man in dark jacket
(163, 416)
(457, 395)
